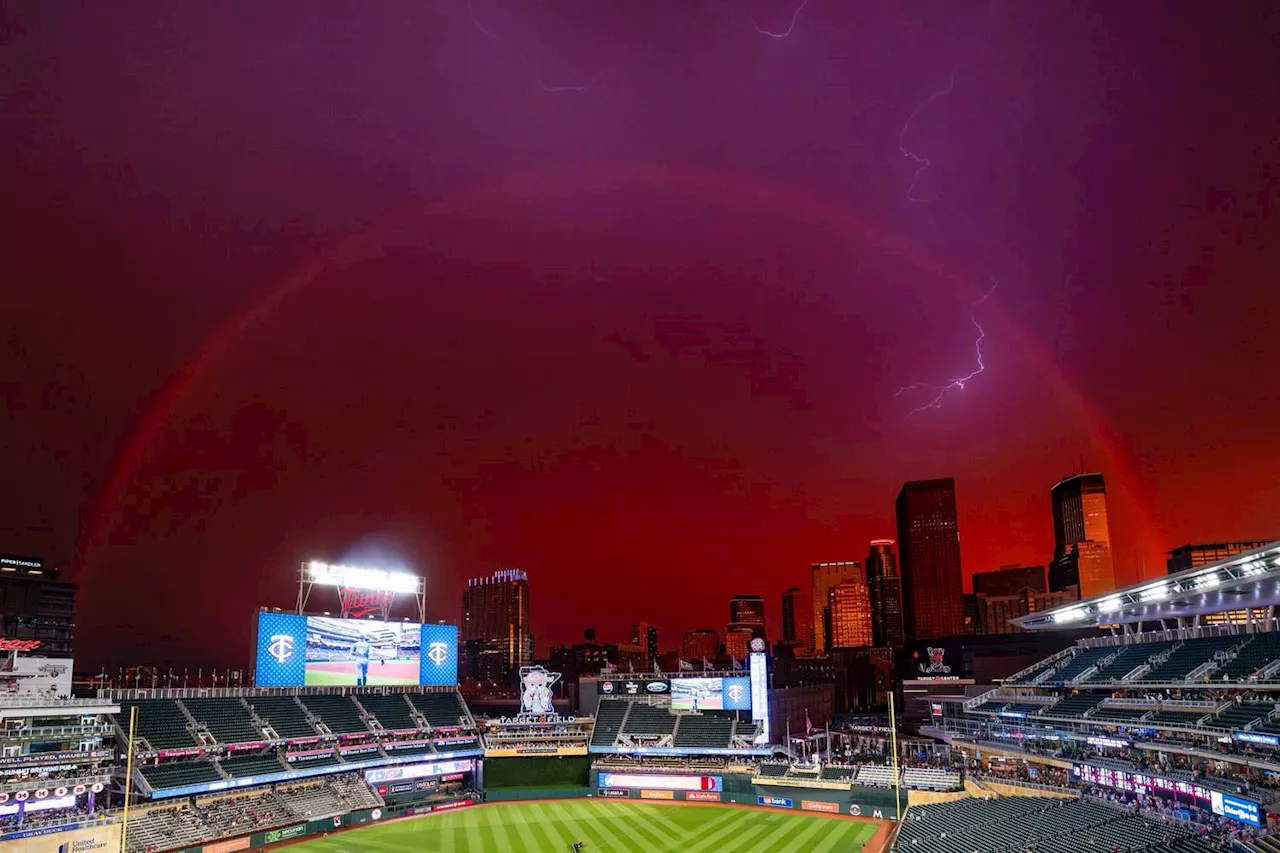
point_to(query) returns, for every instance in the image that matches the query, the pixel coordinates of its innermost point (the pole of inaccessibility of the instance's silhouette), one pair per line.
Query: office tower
(849, 609)
(1081, 536)
(929, 548)
(36, 606)
(699, 644)
(645, 636)
(823, 577)
(496, 610)
(737, 642)
(885, 589)
(1009, 580)
(1193, 556)
(994, 612)
(747, 611)
(797, 620)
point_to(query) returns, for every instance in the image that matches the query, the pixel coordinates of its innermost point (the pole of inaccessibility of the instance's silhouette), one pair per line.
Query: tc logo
(281, 647)
(438, 653)
(735, 693)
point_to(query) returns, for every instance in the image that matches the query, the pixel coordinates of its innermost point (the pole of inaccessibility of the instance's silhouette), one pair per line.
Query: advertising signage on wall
(657, 781)
(1235, 808)
(295, 651)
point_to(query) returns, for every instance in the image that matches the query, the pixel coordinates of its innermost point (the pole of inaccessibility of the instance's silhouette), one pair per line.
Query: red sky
(356, 286)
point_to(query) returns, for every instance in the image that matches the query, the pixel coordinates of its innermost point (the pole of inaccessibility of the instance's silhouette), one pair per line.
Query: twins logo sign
(736, 693)
(438, 653)
(281, 647)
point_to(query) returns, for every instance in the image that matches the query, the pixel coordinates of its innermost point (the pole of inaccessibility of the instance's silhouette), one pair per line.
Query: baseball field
(606, 827)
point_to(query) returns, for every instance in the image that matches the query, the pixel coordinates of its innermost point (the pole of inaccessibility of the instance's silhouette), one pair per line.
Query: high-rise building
(645, 636)
(823, 577)
(699, 644)
(1081, 536)
(797, 621)
(737, 643)
(1193, 556)
(849, 609)
(747, 611)
(35, 606)
(995, 611)
(884, 586)
(1009, 580)
(496, 610)
(929, 548)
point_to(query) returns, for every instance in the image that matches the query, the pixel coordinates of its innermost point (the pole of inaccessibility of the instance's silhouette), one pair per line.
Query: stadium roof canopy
(1251, 579)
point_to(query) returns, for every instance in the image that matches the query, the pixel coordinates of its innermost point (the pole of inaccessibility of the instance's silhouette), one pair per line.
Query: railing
(133, 694)
(37, 701)
(1018, 783)
(71, 822)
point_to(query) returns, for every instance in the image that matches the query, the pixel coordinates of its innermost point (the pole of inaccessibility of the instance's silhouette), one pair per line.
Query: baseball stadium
(1157, 732)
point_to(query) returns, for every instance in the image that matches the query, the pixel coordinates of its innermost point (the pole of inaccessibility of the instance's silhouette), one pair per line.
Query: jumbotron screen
(296, 651)
(711, 694)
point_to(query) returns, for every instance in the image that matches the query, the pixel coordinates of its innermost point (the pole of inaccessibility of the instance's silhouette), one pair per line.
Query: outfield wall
(537, 772)
(738, 788)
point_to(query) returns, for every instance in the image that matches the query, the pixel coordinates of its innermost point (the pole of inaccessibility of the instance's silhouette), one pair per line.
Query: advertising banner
(285, 833)
(23, 676)
(96, 839)
(703, 796)
(416, 771)
(439, 655)
(711, 694)
(227, 846)
(819, 806)
(654, 781)
(614, 792)
(456, 804)
(780, 802)
(634, 686)
(657, 795)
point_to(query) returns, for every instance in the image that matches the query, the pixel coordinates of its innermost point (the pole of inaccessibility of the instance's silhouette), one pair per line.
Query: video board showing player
(361, 653)
(697, 694)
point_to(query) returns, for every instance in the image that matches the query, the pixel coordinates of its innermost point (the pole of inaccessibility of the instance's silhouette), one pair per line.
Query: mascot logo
(936, 666)
(535, 690)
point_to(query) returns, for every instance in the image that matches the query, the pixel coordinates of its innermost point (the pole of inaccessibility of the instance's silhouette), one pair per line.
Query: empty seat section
(704, 730)
(1075, 706)
(442, 710)
(1241, 716)
(1114, 714)
(1188, 656)
(226, 719)
(1129, 658)
(1081, 662)
(392, 711)
(649, 720)
(1261, 650)
(160, 721)
(1173, 717)
(283, 714)
(180, 773)
(339, 713)
(251, 765)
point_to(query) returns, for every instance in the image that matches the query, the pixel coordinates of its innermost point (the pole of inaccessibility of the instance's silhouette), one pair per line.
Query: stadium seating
(1128, 659)
(838, 773)
(284, 714)
(707, 730)
(876, 775)
(1241, 716)
(1075, 706)
(931, 779)
(773, 770)
(1080, 663)
(165, 828)
(1175, 717)
(180, 773)
(160, 721)
(226, 719)
(1260, 650)
(442, 710)
(608, 722)
(338, 713)
(419, 749)
(649, 720)
(251, 765)
(1105, 713)
(393, 711)
(1187, 657)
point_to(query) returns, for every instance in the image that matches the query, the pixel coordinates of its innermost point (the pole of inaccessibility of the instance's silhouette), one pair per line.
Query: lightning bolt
(921, 162)
(787, 34)
(957, 384)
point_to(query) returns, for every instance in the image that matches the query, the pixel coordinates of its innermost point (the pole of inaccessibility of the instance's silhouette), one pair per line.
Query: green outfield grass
(606, 826)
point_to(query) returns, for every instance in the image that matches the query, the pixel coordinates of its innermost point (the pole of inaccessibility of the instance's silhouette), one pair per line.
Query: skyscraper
(797, 620)
(884, 586)
(1081, 536)
(1193, 556)
(747, 611)
(849, 614)
(929, 546)
(495, 611)
(825, 576)
(699, 644)
(1009, 580)
(645, 636)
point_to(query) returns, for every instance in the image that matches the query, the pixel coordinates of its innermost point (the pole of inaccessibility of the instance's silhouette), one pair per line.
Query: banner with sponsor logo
(456, 804)
(820, 806)
(702, 796)
(27, 676)
(657, 795)
(648, 780)
(779, 802)
(95, 839)
(285, 833)
(227, 846)
(515, 752)
(614, 792)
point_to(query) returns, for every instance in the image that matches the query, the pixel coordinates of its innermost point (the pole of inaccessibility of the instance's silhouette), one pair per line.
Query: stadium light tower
(362, 591)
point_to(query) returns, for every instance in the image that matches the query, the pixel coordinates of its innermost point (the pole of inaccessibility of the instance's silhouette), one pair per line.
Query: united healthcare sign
(1242, 811)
